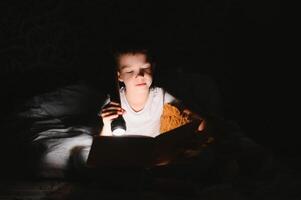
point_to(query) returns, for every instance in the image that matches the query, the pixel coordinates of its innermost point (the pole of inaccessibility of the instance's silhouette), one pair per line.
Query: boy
(142, 105)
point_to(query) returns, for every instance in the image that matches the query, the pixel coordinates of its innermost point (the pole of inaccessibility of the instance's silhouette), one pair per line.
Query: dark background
(245, 46)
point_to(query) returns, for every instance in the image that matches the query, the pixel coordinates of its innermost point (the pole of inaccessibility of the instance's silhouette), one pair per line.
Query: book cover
(143, 151)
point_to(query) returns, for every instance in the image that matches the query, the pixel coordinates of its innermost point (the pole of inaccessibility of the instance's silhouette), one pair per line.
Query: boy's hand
(111, 111)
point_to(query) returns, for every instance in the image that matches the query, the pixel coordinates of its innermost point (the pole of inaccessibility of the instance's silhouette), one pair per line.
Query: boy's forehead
(129, 60)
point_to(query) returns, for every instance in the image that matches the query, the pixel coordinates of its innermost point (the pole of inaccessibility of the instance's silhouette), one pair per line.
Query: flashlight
(118, 126)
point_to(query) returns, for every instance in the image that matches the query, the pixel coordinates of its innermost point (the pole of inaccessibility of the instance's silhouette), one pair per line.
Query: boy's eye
(147, 70)
(129, 72)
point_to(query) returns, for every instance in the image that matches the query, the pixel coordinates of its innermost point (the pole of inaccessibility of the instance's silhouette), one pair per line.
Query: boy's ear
(118, 75)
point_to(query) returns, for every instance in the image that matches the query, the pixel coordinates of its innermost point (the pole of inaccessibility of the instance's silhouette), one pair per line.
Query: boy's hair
(133, 48)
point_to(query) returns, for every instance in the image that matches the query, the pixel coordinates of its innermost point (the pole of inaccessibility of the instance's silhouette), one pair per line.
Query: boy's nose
(140, 73)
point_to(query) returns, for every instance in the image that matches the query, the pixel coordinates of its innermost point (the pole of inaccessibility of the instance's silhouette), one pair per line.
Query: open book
(142, 151)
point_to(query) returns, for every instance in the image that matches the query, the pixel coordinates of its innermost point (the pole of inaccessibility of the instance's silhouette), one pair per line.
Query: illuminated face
(135, 72)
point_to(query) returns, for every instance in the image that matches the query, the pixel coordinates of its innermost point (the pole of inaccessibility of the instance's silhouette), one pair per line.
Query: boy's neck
(137, 100)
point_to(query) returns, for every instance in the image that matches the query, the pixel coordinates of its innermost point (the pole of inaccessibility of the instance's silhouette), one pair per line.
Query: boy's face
(135, 71)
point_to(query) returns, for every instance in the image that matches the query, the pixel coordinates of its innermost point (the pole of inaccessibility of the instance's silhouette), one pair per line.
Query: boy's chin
(141, 88)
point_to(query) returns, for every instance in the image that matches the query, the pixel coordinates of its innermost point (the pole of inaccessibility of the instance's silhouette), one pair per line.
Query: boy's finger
(108, 113)
(112, 108)
(110, 104)
(114, 103)
(201, 126)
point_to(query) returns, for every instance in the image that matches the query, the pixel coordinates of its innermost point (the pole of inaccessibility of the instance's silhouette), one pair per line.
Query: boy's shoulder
(159, 91)
(163, 94)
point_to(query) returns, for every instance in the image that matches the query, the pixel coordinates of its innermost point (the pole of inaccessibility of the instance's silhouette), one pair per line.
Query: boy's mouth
(141, 84)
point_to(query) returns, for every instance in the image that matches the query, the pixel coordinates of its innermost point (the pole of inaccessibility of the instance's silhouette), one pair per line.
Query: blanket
(56, 130)
(54, 125)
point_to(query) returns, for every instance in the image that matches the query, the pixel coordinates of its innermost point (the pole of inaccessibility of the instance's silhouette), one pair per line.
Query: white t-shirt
(146, 122)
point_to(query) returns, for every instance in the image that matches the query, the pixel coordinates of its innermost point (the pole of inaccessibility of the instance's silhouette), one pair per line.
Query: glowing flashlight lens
(118, 132)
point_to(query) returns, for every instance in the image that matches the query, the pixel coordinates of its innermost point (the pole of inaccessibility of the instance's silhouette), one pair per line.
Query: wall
(243, 46)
